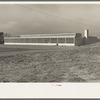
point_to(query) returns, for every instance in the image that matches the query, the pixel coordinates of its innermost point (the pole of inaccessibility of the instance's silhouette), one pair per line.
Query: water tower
(86, 33)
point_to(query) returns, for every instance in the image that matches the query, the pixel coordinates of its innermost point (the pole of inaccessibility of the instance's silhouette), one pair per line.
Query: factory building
(65, 39)
(61, 39)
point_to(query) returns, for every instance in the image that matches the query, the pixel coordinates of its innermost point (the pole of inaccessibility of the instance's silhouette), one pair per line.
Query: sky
(17, 19)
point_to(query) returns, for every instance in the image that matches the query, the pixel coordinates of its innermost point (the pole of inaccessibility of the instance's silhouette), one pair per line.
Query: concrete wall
(78, 41)
(90, 40)
(48, 44)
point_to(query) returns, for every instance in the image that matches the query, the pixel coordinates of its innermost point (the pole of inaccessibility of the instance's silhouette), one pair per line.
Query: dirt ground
(50, 63)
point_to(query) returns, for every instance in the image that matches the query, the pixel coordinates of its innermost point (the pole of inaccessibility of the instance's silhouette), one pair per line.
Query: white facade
(61, 39)
(86, 33)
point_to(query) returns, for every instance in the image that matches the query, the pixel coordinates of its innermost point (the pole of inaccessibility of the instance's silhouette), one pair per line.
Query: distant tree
(1, 38)
(7, 35)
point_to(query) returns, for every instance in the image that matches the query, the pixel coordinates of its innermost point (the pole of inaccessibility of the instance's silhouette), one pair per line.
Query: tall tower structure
(86, 33)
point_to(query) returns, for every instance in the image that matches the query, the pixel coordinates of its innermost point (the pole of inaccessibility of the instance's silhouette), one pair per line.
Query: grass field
(50, 63)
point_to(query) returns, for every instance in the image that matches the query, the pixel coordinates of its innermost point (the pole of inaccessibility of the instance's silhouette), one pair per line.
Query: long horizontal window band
(53, 40)
(61, 40)
(47, 40)
(69, 40)
(41, 40)
(48, 37)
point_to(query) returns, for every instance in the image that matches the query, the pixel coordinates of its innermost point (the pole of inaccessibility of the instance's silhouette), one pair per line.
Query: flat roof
(55, 35)
(39, 35)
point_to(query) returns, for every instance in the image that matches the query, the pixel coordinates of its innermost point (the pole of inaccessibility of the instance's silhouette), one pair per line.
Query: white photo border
(50, 90)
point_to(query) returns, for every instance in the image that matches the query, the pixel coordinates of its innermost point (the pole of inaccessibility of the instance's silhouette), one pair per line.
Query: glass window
(69, 40)
(33, 40)
(8, 40)
(13, 40)
(61, 40)
(53, 40)
(40, 40)
(27, 40)
(46, 40)
(22, 40)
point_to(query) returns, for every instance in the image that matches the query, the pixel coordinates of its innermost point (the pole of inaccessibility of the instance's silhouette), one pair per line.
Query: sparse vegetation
(50, 63)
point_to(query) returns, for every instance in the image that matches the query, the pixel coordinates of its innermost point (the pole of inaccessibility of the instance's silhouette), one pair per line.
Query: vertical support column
(18, 39)
(43, 40)
(65, 40)
(36, 40)
(50, 40)
(57, 40)
(24, 39)
(74, 41)
(30, 40)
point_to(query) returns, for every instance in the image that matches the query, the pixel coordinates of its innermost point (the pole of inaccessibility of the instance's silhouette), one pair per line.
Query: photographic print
(49, 43)
(49, 49)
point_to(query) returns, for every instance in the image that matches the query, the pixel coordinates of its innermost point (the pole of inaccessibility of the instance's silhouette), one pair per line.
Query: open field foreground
(50, 63)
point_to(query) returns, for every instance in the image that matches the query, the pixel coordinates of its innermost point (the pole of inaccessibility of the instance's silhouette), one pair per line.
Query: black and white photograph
(49, 49)
(49, 43)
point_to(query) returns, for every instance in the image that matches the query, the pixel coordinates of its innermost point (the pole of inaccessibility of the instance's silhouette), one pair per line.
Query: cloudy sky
(19, 19)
